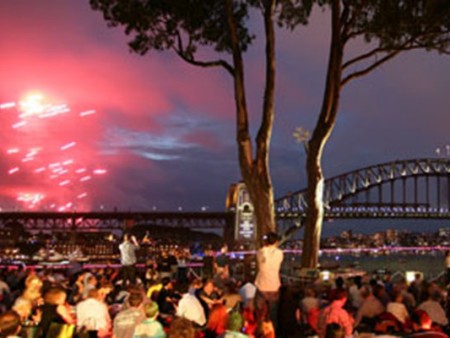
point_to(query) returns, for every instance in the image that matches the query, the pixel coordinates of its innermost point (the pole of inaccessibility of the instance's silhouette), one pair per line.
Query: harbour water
(428, 261)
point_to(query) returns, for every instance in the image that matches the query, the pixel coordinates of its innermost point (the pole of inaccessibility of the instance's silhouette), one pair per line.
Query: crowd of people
(160, 301)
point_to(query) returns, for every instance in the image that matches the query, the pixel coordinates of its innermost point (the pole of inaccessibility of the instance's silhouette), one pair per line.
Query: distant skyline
(163, 132)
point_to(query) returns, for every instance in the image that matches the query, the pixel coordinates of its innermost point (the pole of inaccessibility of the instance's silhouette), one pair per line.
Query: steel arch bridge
(418, 188)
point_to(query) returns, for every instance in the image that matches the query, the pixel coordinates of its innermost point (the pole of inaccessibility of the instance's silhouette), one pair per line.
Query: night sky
(151, 132)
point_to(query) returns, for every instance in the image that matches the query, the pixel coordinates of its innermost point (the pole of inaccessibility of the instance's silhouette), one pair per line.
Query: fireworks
(50, 163)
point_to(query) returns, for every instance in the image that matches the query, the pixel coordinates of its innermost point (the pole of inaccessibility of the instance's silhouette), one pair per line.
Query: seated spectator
(208, 296)
(127, 319)
(422, 326)
(247, 292)
(308, 304)
(370, 309)
(398, 309)
(55, 310)
(265, 329)
(434, 309)
(189, 307)
(335, 313)
(235, 324)
(10, 324)
(181, 328)
(231, 298)
(166, 297)
(93, 315)
(150, 327)
(217, 321)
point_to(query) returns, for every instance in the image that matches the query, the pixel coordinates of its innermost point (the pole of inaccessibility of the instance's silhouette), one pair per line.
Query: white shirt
(269, 259)
(435, 311)
(190, 308)
(398, 310)
(247, 292)
(93, 315)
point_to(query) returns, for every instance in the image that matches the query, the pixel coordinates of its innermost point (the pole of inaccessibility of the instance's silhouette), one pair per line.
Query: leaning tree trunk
(322, 131)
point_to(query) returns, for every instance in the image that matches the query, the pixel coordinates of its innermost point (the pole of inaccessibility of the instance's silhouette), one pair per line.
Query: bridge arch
(401, 188)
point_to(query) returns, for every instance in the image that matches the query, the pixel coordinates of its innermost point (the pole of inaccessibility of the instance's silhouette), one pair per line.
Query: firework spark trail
(62, 171)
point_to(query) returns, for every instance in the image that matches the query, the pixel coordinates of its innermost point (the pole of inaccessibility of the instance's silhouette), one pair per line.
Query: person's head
(421, 320)
(167, 283)
(9, 324)
(92, 280)
(126, 237)
(217, 320)
(208, 286)
(310, 292)
(265, 329)
(55, 296)
(334, 330)
(135, 299)
(270, 238)
(340, 297)
(398, 296)
(339, 282)
(224, 249)
(33, 282)
(151, 310)
(366, 291)
(235, 322)
(181, 328)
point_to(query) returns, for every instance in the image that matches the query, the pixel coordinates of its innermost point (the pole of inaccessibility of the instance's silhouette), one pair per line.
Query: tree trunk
(255, 167)
(261, 193)
(321, 133)
(314, 215)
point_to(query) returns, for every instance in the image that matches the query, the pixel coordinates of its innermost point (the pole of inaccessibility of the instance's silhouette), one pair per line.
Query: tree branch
(215, 63)
(369, 68)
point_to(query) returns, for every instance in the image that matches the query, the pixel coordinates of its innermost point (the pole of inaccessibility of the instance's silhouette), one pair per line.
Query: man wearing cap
(267, 282)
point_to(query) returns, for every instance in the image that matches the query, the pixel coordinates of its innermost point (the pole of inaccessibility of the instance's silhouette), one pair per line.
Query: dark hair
(135, 299)
(9, 323)
(334, 330)
(165, 281)
(270, 238)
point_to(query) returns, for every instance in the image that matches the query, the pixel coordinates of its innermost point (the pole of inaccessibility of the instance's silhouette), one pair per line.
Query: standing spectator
(165, 265)
(93, 315)
(150, 327)
(335, 313)
(222, 262)
(126, 320)
(128, 259)
(267, 282)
